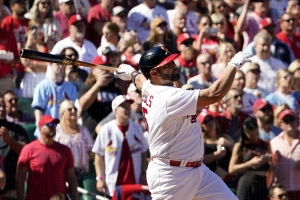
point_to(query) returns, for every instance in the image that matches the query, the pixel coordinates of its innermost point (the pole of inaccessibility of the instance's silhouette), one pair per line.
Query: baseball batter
(176, 170)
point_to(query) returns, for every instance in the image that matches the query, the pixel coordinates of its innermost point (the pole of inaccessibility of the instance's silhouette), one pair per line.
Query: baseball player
(176, 170)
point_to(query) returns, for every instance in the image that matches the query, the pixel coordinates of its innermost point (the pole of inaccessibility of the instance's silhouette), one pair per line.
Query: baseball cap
(119, 100)
(260, 103)
(295, 65)
(62, 1)
(183, 37)
(131, 88)
(75, 18)
(46, 119)
(101, 60)
(203, 114)
(16, 1)
(250, 67)
(285, 112)
(118, 9)
(156, 22)
(265, 22)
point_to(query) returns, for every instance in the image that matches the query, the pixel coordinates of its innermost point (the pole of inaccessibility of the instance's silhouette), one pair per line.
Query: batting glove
(124, 72)
(240, 59)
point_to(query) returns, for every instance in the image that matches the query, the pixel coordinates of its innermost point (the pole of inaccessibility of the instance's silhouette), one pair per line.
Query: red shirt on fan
(7, 43)
(293, 42)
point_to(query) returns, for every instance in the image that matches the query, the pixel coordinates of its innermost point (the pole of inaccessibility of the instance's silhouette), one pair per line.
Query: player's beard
(170, 77)
(268, 119)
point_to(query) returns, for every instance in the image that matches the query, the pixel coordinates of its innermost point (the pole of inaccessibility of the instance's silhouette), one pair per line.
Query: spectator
(277, 111)
(5, 11)
(287, 34)
(111, 35)
(50, 92)
(82, 7)
(97, 17)
(294, 69)
(159, 36)
(35, 70)
(140, 16)
(239, 80)
(8, 45)
(217, 148)
(279, 50)
(251, 159)
(278, 192)
(251, 91)
(283, 93)
(41, 14)
(45, 159)
(12, 139)
(96, 95)
(206, 40)
(294, 8)
(120, 150)
(186, 61)
(85, 48)
(185, 6)
(119, 17)
(77, 138)
(219, 22)
(268, 64)
(204, 78)
(14, 114)
(248, 22)
(66, 9)
(73, 74)
(225, 52)
(285, 151)
(263, 112)
(231, 119)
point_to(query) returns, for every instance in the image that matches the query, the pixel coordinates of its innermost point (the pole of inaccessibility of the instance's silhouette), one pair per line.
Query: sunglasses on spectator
(187, 42)
(13, 99)
(280, 196)
(237, 96)
(222, 5)
(288, 119)
(163, 24)
(219, 23)
(287, 76)
(50, 125)
(208, 119)
(255, 71)
(48, 3)
(289, 20)
(205, 63)
(69, 2)
(266, 108)
(73, 108)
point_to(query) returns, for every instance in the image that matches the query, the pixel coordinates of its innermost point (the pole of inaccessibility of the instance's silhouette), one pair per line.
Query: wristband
(98, 178)
(133, 75)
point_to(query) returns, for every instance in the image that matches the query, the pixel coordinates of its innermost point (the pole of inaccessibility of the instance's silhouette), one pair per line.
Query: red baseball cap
(285, 112)
(183, 37)
(203, 114)
(46, 119)
(265, 22)
(75, 18)
(101, 60)
(260, 103)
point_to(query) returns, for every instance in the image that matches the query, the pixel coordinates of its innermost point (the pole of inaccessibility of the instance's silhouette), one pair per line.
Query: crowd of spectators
(251, 137)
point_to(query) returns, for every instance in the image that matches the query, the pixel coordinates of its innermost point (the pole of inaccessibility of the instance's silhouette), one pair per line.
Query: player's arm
(221, 86)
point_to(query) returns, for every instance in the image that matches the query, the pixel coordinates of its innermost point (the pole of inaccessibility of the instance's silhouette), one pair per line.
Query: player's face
(169, 72)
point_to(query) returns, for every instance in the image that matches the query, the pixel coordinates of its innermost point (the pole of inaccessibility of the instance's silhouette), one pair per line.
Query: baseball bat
(25, 53)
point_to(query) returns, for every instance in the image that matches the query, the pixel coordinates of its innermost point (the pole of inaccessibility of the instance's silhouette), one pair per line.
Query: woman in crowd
(225, 53)
(41, 13)
(217, 149)
(251, 160)
(158, 36)
(284, 94)
(35, 70)
(294, 69)
(220, 23)
(77, 138)
(110, 36)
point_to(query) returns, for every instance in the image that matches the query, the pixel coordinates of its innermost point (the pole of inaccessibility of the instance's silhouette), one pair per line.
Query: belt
(178, 163)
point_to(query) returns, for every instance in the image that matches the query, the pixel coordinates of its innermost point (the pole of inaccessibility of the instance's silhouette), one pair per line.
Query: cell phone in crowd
(212, 31)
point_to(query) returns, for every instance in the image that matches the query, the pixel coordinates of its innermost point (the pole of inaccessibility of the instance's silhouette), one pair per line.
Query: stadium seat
(25, 105)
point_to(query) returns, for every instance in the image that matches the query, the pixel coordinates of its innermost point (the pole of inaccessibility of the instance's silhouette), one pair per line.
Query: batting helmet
(154, 58)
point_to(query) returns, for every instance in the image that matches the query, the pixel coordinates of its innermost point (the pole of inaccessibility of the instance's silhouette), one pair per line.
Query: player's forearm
(99, 165)
(139, 81)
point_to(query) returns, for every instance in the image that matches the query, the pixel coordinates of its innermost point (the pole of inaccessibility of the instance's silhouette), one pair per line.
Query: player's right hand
(124, 72)
(240, 59)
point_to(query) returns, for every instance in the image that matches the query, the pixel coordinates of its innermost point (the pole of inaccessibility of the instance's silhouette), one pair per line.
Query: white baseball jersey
(170, 113)
(109, 144)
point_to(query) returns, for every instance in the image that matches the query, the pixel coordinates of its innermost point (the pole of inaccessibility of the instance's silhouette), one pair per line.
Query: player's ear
(154, 74)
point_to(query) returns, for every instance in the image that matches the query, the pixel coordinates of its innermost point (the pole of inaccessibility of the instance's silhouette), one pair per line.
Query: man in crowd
(46, 161)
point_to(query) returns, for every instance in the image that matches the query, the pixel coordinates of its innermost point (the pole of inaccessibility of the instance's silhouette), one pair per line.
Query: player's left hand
(124, 72)
(240, 59)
